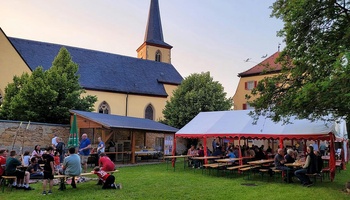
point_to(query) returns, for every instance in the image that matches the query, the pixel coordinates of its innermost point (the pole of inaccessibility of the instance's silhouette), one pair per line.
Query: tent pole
(281, 143)
(239, 151)
(205, 148)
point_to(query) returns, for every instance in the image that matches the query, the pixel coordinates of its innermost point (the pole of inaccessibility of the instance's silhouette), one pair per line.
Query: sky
(206, 35)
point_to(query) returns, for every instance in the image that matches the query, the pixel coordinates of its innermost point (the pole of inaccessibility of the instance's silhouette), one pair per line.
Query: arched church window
(158, 56)
(104, 108)
(149, 112)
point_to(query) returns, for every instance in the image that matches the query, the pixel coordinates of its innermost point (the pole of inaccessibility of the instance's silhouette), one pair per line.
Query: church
(126, 86)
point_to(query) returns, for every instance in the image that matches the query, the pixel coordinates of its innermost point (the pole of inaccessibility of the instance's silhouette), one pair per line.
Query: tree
(197, 93)
(46, 96)
(315, 76)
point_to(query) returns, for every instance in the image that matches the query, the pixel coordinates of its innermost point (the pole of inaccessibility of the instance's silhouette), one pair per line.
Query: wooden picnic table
(173, 158)
(294, 164)
(225, 160)
(260, 162)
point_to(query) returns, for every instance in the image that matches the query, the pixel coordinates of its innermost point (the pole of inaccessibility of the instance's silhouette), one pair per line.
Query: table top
(294, 164)
(325, 157)
(181, 156)
(146, 152)
(228, 159)
(205, 157)
(259, 162)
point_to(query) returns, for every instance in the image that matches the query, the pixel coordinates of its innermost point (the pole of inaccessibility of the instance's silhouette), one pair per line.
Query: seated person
(310, 167)
(34, 169)
(193, 153)
(279, 164)
(230, 154)
(71, 165)
(319, 161)
(290, 156)
(107, 179)
(26, 158)
(3, 155)
(22, 181)
(218, 151)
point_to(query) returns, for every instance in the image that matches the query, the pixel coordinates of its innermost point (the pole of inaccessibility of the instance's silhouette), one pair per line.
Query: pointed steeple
(154, 32)
(153, 46)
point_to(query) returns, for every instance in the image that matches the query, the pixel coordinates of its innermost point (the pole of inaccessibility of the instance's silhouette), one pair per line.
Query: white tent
(239, 124)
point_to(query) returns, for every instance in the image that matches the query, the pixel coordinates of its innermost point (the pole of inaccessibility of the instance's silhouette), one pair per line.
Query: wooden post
(132, 147)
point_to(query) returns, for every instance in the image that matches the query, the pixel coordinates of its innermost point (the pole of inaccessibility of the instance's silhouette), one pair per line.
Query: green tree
(197, 93)
(47, 96)
(315, 76)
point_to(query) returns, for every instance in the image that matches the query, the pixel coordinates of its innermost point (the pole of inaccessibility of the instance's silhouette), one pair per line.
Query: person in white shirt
(54, 142)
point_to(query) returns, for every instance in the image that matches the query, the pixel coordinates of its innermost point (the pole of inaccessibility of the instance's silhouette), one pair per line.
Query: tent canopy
(239, 124)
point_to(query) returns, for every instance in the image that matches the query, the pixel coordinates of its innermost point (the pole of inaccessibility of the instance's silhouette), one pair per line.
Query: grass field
(156, 182)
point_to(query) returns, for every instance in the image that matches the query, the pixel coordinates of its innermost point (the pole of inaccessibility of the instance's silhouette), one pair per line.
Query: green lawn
(156, 182)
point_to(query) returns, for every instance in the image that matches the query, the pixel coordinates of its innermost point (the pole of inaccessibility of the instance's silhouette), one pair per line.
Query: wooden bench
(315, 176)
(247, 170)
(237, 167)
(7, 180)
(62, 177)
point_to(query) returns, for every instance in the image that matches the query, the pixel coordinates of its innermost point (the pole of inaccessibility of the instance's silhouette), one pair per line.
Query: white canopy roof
(239, 124)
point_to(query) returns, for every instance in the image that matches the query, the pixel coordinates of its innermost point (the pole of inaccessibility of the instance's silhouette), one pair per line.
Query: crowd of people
(55, 160)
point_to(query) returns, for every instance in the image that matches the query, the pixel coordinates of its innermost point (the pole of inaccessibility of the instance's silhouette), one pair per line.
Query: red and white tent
(240, 125)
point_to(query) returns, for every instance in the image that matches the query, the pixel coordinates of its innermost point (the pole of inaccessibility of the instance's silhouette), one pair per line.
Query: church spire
(154, 47)
(154, 32)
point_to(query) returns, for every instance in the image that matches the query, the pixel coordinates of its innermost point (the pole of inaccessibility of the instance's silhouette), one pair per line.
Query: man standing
(84, 150)
(53, 141)
(60, 148)
(71, 165)
(100, 146)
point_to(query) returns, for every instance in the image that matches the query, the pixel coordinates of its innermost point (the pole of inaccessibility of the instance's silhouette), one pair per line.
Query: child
(49, 170)
(26, 158)
(57, 161)
(107, 179)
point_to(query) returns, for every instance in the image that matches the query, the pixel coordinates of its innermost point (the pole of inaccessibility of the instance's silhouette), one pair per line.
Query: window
(249, 85)
(246, 106)
(104, 108)
(159, 144)
(158, 56)
(149, 112)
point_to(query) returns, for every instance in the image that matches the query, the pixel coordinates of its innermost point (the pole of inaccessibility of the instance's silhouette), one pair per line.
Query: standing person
(49, 170)
(107, 179)
(310, 167)
(100, 146)
(54, 141)
(3, 155)
(22, 181)
(84, 150)
(323, 148)
(60, 148)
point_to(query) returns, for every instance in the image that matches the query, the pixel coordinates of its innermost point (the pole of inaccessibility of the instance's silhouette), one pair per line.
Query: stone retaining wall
(29, 136)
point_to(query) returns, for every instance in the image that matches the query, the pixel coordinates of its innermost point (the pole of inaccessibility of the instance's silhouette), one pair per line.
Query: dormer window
(158, 56)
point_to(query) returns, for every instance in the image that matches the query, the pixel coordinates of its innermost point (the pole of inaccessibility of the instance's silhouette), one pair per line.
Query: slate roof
(104, 71)
(117, 121)
(154, 32)
(268, 65)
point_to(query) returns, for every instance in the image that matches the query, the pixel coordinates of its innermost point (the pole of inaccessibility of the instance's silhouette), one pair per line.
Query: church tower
(154, 47)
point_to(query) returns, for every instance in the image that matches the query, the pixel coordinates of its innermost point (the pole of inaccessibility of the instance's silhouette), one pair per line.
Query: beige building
(250, 78)
(127, 86)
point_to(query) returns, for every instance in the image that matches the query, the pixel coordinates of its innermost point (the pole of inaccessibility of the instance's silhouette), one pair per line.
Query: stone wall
(14, 135)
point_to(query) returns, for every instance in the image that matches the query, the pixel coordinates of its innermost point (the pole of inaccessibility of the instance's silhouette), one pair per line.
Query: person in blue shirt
(84, 150)
(231, 154)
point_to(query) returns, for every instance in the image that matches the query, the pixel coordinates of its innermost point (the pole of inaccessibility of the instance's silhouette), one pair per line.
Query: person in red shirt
(105, 163)
(107, 179)
(3, 155)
